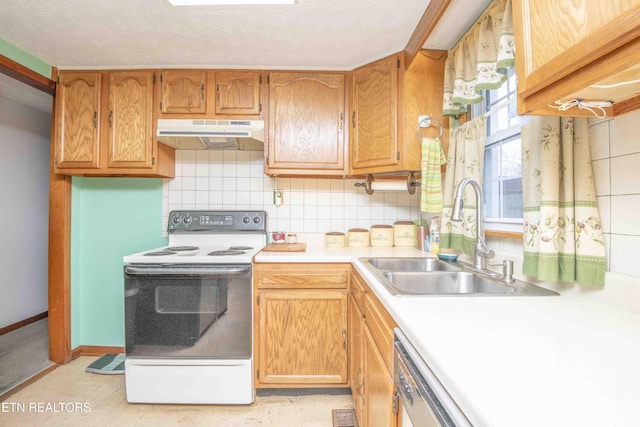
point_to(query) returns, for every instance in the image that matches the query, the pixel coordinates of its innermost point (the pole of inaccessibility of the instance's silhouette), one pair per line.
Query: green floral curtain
(481, 59)
(563, 238)
(465, 159)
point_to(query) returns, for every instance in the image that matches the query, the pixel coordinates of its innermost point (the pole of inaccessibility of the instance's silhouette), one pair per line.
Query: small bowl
(448, 256)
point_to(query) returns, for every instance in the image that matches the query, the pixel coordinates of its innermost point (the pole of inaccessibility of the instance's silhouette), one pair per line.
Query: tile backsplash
(235, 180)
(615, 153)
(224, 179)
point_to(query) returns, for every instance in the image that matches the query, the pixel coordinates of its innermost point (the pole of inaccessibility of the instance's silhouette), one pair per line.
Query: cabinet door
(77, 120)
(303, 337)
(378, 385)
(375, 116)
(566, 49)
(183, 91)
(130, 126)
(356, 365)
(306, 122)
(238, 93)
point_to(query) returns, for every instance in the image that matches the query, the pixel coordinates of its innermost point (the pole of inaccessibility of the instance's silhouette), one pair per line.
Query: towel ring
(428, 119)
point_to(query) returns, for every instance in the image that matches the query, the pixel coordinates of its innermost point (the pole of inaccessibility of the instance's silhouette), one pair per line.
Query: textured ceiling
(312, 34)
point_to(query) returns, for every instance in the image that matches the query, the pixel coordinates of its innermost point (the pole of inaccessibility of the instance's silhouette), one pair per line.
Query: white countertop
(565, 360)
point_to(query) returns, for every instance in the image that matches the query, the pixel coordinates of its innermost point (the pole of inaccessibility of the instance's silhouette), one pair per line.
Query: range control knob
(246, 219)
(187, 220)
(176, 220)
(256, 220)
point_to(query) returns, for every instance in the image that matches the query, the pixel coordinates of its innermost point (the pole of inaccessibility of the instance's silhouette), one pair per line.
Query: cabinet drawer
(302, 276)
(380, 325)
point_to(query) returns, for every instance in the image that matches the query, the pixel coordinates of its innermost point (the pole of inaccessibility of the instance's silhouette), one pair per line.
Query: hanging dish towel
(433, 158)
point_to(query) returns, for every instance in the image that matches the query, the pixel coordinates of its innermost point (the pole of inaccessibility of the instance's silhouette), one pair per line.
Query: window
(502, 179)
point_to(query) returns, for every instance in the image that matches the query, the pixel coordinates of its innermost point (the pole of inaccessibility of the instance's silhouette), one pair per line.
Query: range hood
(200, 134)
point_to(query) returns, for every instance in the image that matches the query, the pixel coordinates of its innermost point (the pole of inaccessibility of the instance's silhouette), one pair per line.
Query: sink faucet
(481, 251)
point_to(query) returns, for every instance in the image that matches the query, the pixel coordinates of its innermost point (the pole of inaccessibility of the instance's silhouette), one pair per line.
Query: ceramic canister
(381, 235)
(404, 234)
(334, 239)
(358, 237)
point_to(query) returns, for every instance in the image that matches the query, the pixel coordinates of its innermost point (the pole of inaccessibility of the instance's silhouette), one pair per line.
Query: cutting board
(285, 247)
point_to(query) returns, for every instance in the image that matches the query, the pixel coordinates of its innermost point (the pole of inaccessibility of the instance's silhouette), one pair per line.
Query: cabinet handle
(202, 91)
(344, 339)
(341, 121)
(110, 118)
(95, 120)
(353, 120)
(218, 93)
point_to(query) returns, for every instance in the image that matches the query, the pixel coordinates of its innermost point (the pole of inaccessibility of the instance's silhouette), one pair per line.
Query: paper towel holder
(412, 183)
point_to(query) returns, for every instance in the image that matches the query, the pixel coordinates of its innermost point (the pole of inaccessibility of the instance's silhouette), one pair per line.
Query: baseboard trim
(24, 322)
(94, 350)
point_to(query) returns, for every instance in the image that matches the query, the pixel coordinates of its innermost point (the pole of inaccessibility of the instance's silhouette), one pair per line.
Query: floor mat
(344, 418)
(110, 364)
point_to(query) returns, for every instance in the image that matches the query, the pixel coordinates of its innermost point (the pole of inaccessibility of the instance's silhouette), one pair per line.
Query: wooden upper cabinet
(130, 119)
(238, 93)
(306, 124)
(375, 115)
(77, 120)
(104, 126)
(387, 100)
(583, 49)
(183, 92)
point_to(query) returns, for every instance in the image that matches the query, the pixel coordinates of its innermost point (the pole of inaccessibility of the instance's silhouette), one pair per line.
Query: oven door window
(206, 314)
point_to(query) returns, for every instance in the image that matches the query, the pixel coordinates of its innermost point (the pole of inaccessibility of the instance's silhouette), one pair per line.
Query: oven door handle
(174, 270)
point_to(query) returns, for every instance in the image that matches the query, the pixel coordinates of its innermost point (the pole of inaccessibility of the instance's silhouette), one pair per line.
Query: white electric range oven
(189, 311)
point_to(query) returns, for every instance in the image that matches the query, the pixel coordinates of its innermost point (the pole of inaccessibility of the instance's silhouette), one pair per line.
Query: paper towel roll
(389, 185)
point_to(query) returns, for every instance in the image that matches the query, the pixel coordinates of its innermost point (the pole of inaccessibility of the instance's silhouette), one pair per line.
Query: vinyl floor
(69, 396)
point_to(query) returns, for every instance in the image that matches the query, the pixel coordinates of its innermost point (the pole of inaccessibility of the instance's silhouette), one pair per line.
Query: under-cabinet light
(227, 2)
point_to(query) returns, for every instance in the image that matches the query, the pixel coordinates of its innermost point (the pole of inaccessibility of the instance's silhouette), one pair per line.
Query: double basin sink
(431, 276)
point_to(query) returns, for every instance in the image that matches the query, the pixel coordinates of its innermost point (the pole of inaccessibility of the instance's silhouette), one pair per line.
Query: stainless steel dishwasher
(425, 401)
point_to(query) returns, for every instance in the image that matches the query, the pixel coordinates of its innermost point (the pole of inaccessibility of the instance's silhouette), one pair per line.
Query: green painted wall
(110, 218)
(20, 56)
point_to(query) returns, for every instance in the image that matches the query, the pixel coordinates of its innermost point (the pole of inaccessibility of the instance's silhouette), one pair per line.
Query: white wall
(24, 213)
(235, 180)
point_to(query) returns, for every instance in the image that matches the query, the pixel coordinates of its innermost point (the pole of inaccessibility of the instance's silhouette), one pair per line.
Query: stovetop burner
(160, 253)
(182, 248)
(240, 248)
(226, 252)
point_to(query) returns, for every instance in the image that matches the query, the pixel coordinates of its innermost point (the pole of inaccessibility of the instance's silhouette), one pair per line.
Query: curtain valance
(480, 60)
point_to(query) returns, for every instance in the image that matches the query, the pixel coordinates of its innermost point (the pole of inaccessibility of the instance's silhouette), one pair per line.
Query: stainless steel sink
(445, 283)
(411, 264)
(430, 276)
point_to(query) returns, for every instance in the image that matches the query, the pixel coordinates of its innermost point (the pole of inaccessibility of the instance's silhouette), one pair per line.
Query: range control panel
(216, 221)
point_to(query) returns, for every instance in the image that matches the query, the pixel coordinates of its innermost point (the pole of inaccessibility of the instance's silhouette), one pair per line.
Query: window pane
(511, 158)
(491, 183)
(491, 190)
(512, 198)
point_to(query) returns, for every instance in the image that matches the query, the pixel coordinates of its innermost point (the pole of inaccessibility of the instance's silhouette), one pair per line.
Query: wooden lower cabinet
(356, 358)
(301, 325)
(371, 332)
(378, 386)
